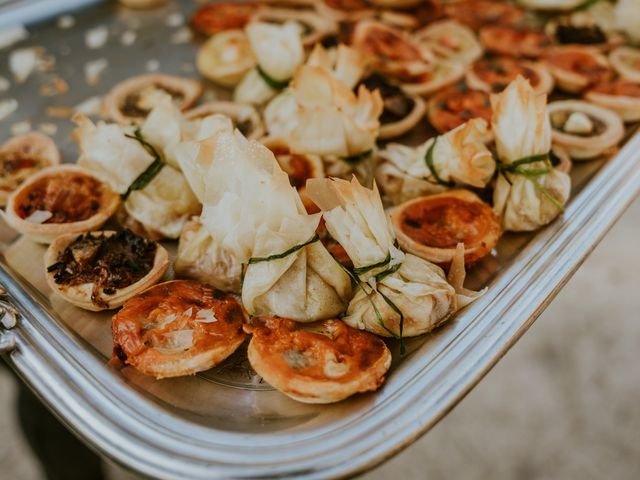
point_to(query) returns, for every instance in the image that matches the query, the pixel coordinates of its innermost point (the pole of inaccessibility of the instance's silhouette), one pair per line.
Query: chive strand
(292, 250)
(428, 158)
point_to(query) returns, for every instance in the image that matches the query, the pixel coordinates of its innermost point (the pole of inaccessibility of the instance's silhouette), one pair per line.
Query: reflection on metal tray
(227, 423)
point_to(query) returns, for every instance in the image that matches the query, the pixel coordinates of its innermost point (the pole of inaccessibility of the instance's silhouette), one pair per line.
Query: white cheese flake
(39, 216)
(94, 69)
(12, 35)
(578, 123)
(7, 107)
(96, 37)
(206, 316)
(175, 19)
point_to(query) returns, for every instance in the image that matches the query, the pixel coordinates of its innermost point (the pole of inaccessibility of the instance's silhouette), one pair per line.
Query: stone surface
(562, 404)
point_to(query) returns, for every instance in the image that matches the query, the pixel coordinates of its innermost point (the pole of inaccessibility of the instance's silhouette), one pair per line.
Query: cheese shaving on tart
(58, 200)
(620, 96)
(529, 191)
(514, 41)
(21, 157)
(459, 156)
(450, 40)
(322, 362)
(218, 17)
(494, 74)
(626, 62)
(456, 105)
(244, 117)
(432, 227)
(226, 58)
(478, 13)
(584, 130)
(132, 100)
(101, 270)
(577, 68)
(177, 328)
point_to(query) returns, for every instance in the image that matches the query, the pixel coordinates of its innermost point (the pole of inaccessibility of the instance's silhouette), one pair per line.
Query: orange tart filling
(499, 72)
(512, 41)
(479, 13)
(217, 17)
(456, 105)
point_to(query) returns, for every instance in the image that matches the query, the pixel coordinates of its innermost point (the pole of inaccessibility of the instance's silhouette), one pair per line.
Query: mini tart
(420, 15)
(607, 129)
(514, 41)
(577, 68)
(456, 105)
(100, 271)
(177, 328)
(401, 111)
(398, 4)
(450, 40)
(315, 26)
(225, 58)
(321, 362)
(132, 100)
(626, 61)
(217, 17)
(245, 117)
(567, 34)
(478, 13)
(432, 227)
(59, 200)
(620, 96)
(345, 10)
(299, 167)
(494, 74)
(21, 157)
(444, 73)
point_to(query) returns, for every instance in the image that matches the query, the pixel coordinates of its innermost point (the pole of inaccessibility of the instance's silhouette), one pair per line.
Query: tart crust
(530, 70)
(619, 61)
(212, 62)
(399, 128)
(80, 295)
(513, 41)
(214, 319)
(438, 37)
(188, 89)
(47, 232)
(431, 227)
(323, 362)
(321, 26)
(581, 147)
(626, 103)
(245, 117)
(561, 62)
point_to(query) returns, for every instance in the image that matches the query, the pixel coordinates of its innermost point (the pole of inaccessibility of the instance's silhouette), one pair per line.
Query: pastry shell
(213, 60)
(32, 146)
(47, 232)
(189, 89)
(80, 295)
(437, 37)
(245, 117)
(581, 147)
(619, 61)
(323, 362)
(399, 128)
(626, 106)
(514, 41)
(468, 219)
(349, 13)
(316, 25)
(569, 80)
(544, 85)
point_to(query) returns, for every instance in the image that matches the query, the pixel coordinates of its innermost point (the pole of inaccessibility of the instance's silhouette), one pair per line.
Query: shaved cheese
(48, 128)
(181, 36)
(176, 342)
(39, 216)
(188, 313)
(578, 123)
(152, 65)
(206, 316)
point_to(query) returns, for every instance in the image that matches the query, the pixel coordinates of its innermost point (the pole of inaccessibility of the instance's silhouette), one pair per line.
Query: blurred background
(563, 404)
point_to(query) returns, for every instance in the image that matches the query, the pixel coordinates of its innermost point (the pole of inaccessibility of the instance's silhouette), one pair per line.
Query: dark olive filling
(11, 163)
(588, 35)
(111, 263)
(130, 107)
(397, 104)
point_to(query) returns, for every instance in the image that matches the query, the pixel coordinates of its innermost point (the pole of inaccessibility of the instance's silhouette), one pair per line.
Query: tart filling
(177, 328)
(477, 14)
(132, 100)
(432, 227)
(493, 75)
(244, 117)
(517, 42)
(456, 105)
(21, 157)
(577, 68)
(584, 130)
(314, 27)
(216, 17)
(101, 270)
(225, 58)
(621, 96)
(322, 362)
(58, 200)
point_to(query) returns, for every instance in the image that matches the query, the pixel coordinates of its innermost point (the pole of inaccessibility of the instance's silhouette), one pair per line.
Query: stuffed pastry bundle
(255, 220)
(529, 191)
(399, 295)
(457, 157)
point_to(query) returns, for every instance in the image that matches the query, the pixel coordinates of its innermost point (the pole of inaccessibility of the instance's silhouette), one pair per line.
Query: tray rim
(80, 391)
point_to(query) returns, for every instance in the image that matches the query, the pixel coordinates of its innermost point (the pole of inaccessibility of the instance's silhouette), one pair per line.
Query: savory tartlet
(450, 40)
(456, 105)
(322, 362)
(132, 100)
(225, 58)
(217, 17)
(244, 117)
(401, 111)
(21, 157)
(432, 227)
(584, 130)
(315, 27)
(177, 328)
(514, 41)
(495, 73)
(60, 200)
(345, 10)
(626, 62)
(101, 270)
(577, 68)
(478, 13)
(620, 96)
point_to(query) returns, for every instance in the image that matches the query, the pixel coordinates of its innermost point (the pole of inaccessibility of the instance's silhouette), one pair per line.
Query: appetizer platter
(283, 238)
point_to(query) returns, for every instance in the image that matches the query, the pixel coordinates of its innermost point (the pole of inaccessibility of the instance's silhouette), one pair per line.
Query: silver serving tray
(227, 423)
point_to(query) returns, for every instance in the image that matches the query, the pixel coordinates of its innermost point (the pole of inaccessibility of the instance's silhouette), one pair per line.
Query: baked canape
(495, 73)
(345, 10)
(132, 100)
(451, 40)
(584, 130)
(577, 68)
(217, 17)
(59, 200)
(626, 61)
(315, 27)
(478, 13)
(101, 270)
(21, 157)
(456, 105)
(620, 96)
(225, 58)
(244, 117)
(432, 227)
(514, 41)
(177, 328)
(322, 362)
